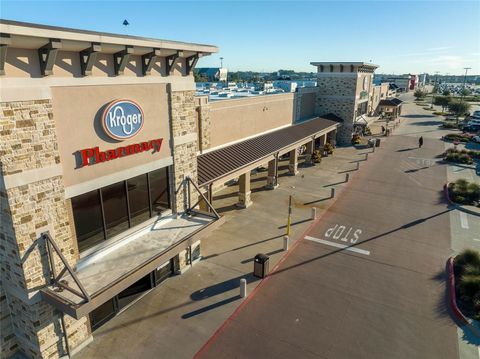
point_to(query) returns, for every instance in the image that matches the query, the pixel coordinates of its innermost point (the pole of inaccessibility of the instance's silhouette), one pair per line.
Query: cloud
(440, 48)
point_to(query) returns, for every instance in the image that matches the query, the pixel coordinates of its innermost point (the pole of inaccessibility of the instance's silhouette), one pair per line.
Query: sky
(399, 36)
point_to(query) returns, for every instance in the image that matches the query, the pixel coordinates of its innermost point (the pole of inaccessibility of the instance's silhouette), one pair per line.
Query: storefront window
(108, 211)
(87, 214)
(115, 208)
(138, 199)
(159, 190)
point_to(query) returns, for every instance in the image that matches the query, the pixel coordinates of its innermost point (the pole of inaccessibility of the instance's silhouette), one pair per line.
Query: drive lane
(332, 303)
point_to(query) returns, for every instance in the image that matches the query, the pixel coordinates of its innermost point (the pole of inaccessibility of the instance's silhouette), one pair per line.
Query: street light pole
(465, 80)
(433, 91)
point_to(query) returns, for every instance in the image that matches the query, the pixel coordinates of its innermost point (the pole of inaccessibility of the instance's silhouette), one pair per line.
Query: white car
(476, 139)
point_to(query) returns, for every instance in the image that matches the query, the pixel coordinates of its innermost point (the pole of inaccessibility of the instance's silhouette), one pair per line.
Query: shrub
(463, 192)
(469, 285)
(449, 125)
(468, 257)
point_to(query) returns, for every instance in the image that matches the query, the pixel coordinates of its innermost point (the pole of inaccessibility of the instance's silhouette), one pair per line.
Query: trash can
(260, 265)
(377, 143)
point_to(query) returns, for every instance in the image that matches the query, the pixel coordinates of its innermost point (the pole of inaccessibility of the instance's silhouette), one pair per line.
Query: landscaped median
(463, 273)
(465, 196)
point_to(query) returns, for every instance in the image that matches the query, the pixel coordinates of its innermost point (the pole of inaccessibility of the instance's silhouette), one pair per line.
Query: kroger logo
(122, 119)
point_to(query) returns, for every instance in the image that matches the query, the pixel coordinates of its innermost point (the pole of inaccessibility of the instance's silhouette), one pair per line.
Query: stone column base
(271, 182)
(244, 200)
(293, 169)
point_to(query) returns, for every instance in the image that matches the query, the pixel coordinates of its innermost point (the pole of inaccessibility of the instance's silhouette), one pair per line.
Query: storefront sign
(92, 156)
(122, 119)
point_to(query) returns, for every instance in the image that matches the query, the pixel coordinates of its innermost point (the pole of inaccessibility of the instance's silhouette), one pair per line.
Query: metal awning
(224, 161)
(78, 292)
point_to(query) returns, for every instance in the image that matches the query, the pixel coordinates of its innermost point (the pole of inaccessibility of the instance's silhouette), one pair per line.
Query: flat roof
(369, 64)
(22, 34)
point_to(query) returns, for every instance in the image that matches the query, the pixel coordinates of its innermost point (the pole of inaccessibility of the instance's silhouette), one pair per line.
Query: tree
(419, 94)
(446, 93)
(459, 108)
(465, 92)
(443, 101)
(436, 88)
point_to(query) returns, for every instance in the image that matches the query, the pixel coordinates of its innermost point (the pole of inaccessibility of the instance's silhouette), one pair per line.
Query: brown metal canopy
(219, 163)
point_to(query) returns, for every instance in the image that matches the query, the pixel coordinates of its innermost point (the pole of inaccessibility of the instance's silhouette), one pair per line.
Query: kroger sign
(122, 119)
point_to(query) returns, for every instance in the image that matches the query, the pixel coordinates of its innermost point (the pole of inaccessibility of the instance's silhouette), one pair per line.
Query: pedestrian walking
(420, 142)
(383, 130)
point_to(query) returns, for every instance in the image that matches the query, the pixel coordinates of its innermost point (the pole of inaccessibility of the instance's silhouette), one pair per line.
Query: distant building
(213, 74)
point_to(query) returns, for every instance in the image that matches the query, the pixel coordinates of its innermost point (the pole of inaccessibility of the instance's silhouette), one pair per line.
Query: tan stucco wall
(232, 120)
(307, 105)
(77, 112)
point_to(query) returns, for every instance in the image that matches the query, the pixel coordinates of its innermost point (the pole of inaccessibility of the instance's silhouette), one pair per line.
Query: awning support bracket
(5, 40)
(207, 202)
(47, 55)
(148, 60)
(56, 281)
(120, 59)
(170, 62)
(88, 58)
(191, 61)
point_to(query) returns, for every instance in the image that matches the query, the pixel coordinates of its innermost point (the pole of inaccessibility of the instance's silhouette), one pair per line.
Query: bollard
(366, 156)
(347, 177)
(332, 193)
(285, 243)
(314, 213)
(358, 166)
(243, 287)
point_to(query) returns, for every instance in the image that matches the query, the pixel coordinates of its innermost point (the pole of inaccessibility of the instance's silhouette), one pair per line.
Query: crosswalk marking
(338, 245)
(463, 220)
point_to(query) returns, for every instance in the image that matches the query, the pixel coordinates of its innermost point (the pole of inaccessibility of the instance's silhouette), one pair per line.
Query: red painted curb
(447, 195)
(452, 298)
(227, 321)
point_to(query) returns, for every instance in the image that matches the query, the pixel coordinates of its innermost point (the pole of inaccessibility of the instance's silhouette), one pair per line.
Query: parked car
(476, 139)
(471, 128)
(475, 114)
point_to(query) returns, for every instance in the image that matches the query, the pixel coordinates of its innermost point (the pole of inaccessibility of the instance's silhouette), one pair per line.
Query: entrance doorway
(114, 306)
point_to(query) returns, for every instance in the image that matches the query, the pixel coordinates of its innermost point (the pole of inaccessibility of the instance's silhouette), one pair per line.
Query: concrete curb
(452, 300)
(473, 211)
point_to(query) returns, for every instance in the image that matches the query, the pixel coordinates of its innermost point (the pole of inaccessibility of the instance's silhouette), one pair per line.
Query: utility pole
(465, 80)
(434, 85)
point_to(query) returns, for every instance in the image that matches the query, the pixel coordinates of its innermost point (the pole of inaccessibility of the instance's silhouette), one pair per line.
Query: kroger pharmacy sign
(122, 119)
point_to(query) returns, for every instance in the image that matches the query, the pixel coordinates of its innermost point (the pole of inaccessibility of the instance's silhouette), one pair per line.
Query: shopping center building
(108, 164)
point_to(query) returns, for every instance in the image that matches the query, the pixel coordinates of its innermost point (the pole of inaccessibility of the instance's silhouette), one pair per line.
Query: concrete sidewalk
(177, 318)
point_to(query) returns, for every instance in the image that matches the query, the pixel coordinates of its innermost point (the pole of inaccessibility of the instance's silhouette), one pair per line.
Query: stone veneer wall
(337, 95)
(204, 125)
(29, 144)
(184, 118)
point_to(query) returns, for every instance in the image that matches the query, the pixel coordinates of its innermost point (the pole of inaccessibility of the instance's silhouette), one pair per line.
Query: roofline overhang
(21, 30)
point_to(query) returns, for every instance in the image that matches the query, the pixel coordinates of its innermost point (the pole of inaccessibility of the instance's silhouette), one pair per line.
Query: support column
(310, 147)
(244, 191)
(293, 164)
(272, 182)
(208, 194)
(323, 140)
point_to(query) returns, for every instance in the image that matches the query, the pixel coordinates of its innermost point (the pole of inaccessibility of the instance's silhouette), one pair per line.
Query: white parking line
(476, 239)
(463, 220)
(338, 245)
